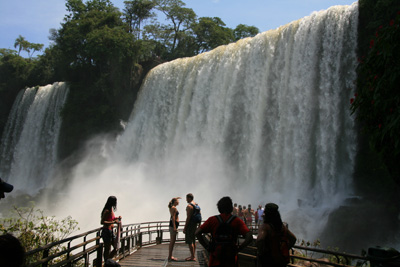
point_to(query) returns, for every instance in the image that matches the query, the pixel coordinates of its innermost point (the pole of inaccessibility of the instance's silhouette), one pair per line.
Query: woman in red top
(108, 220)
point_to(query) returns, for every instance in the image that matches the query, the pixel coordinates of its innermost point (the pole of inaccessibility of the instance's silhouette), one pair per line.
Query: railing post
(99, 258)
(69, 246)
(128, 244)
(45, 255)
(86, 256)
(140, 239)
(159, 234)
(122, 249)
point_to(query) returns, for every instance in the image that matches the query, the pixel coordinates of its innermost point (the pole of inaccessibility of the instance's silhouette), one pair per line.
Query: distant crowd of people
(246, 214)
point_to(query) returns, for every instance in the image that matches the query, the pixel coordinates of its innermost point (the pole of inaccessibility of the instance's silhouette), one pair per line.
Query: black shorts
(107, 235)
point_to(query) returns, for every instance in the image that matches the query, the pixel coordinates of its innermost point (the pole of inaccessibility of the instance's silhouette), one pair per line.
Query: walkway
(155, 256)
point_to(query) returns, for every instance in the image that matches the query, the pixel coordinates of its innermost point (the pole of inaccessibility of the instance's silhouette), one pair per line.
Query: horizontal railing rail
(301, 254)
(87, 248)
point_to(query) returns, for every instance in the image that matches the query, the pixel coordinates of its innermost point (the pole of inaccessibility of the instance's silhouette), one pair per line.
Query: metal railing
(86, 248)
(67, 251)
(300, 253)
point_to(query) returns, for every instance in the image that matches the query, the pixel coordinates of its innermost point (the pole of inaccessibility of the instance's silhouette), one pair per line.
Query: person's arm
(248, 238)
(202, 240)
(189, 212)
(292, 238)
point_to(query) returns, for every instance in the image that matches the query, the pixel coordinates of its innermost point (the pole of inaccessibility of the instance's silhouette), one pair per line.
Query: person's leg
(105, 235)
(171, 246)
(114, 245)
(192, 248)
(191, 240)
(107, 246)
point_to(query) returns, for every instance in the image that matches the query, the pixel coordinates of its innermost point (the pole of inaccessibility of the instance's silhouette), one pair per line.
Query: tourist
(244, 207)
(108, 220)
(12, 253)
(249, 216)
(224, 247)
(260, 215)
(235, 209)
(240, 213)
(5, 188)
(190, 227)
(270, 234)
(173, 225)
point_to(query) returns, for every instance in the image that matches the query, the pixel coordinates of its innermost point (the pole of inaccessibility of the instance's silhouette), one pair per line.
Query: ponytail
(172, 202)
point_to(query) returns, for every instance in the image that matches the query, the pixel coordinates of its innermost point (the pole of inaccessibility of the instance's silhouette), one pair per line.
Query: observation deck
(146, 245)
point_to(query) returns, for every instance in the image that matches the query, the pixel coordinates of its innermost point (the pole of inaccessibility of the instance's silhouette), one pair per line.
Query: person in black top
(173, 225)
(269, 240)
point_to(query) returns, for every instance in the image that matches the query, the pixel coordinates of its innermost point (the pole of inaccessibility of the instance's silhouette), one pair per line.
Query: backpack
(279, 247)
(223, 243)
(196, 216)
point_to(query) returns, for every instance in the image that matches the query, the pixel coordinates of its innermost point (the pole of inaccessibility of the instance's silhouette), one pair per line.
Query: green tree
(181, 18)
(98, 56)
(21, 43)
(211, 33)
(32, 48)
(34, 229)
(377, 99)
(136, 12)
(24, 45)
(242, 31)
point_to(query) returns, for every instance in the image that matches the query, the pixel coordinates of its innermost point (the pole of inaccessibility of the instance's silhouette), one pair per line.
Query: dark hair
(225, 205)
(272, 216)
(12, 253)
(190, 196)
(172, 202)
(110, 204)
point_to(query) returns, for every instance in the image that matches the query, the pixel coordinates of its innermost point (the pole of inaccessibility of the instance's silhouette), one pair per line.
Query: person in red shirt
(108, 219)
(238, 227)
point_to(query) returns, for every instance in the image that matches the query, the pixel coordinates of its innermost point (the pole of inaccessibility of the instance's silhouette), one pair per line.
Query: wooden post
(99, 258)
(45, 255)
(140, 240)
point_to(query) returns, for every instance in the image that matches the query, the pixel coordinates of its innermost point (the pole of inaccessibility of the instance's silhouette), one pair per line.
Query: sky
(33, 19)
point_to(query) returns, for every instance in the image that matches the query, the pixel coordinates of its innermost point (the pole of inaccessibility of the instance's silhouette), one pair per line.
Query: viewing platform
(146, 245)
(157, 255)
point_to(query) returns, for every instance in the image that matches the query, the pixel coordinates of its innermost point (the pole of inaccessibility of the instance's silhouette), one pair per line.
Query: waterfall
(265, 119)
(272, 111)
(28, 150)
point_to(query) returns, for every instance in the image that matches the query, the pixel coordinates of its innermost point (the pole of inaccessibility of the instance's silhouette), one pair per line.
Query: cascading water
(262, 120)
(29, 144)
(270, 112)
